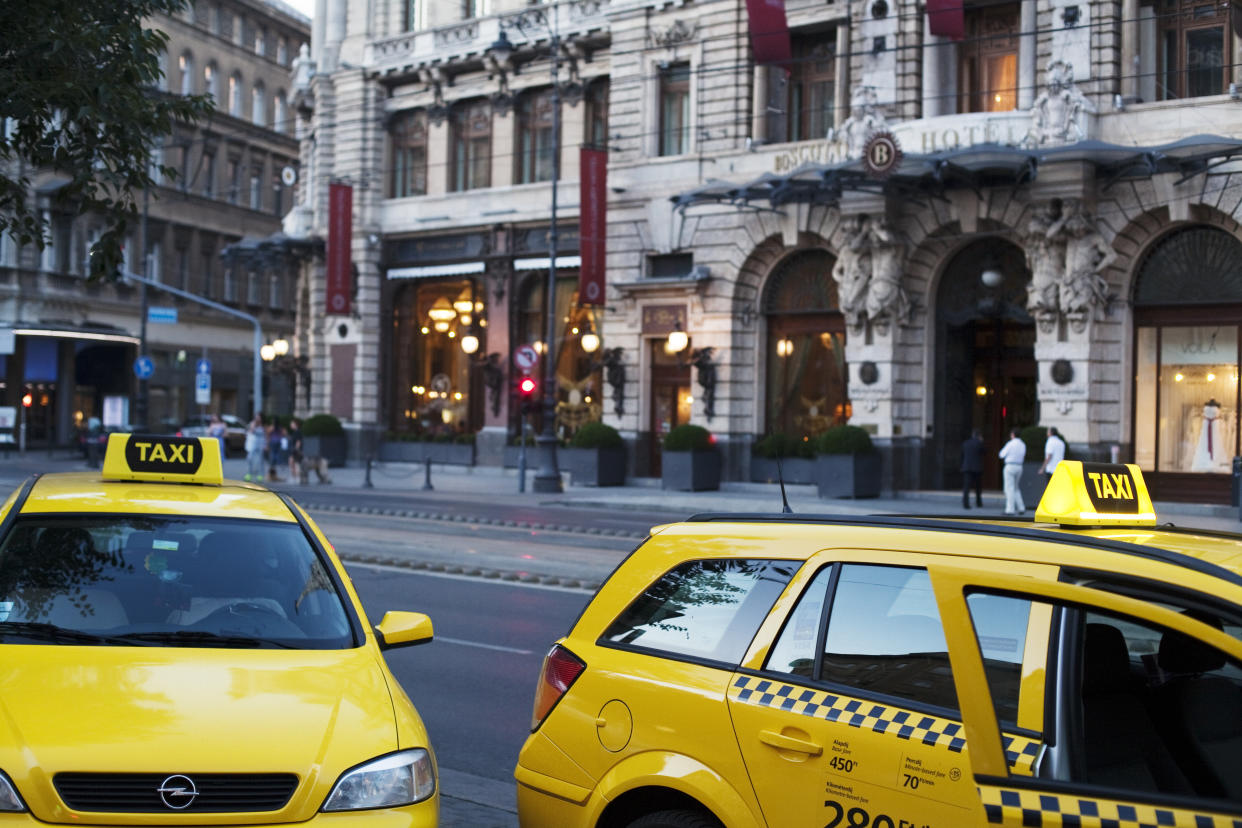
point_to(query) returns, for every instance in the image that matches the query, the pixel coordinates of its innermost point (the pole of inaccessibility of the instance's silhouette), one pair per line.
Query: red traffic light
(527, 387)
(27, 399)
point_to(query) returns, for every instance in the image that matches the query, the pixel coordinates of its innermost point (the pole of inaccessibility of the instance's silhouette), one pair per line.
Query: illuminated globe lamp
(267, 353)
(281, 347)
(470, 343)
(590, 342)
(678, 340)
(991, 277)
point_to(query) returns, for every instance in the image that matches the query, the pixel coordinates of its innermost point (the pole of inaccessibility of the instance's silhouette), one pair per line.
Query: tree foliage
(79, 92)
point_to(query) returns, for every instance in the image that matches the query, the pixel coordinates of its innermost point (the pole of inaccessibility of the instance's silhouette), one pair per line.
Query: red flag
(769, 32)
(947, 18)
(592, 224)
(340, 231)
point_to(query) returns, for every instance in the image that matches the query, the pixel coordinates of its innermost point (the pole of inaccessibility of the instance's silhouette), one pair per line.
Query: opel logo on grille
(178, 792)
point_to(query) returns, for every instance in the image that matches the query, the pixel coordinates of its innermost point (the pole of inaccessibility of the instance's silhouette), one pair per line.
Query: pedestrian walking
(256, 441)
(1054, 451)
(294, 440)
(275, 451)
(972, 468)
(217, 429)
(1013, 455)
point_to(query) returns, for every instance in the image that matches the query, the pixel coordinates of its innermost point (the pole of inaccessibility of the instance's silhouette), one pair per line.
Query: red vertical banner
(340, 240)
(947, 18)
(769, 32)
(592, 224)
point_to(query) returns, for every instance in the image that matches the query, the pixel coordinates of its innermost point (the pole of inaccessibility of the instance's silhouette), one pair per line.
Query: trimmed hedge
(322, 425)
(843, 439)
(596, 435)
(688, 437)
(1034, 437)
(780, 444)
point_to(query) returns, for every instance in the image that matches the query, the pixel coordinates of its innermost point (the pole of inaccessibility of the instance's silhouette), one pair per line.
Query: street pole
(548, 478)
(140, 404)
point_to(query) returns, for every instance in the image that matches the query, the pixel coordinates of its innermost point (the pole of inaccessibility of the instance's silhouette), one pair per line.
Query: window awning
(426, 271)
(546, 262)
(982, 165)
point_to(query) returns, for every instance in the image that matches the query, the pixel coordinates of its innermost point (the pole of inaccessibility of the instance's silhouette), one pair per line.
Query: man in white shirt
(1054, 451)
(1012, 455)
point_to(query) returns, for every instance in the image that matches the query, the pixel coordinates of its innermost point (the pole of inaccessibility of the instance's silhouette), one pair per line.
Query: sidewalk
(476, 483)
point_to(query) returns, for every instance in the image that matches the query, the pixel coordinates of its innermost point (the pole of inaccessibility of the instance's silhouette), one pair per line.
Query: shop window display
(579, 395)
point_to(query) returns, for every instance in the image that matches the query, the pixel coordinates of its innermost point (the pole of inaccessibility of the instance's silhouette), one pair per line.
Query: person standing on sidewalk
(256, 437)
(295, 451)
(218, 429)
(1054, 451)
(1013, 455)
(972, 469)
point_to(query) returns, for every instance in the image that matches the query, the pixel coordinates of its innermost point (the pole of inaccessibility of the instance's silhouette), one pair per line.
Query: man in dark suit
(972, 468)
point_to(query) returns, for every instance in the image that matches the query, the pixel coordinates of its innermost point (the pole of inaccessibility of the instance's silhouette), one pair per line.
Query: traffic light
(526, 393)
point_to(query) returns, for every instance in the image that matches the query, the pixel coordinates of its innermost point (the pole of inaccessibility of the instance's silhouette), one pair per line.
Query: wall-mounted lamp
(590, 341)
(677, 340)
(991, 277)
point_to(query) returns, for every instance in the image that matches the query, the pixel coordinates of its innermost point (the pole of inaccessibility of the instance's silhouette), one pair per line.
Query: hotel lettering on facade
(1051, 239)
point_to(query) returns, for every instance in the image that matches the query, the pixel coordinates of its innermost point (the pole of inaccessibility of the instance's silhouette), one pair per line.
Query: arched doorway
(806, 369)
(1187, 335)
(985, 369)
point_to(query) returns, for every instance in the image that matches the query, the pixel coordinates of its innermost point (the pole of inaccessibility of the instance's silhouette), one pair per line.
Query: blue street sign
(202, 389)
(203, 367)
(144, 367)
(166, 315)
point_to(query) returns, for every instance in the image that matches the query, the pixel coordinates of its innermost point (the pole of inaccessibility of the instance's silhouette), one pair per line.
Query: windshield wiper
(202, 638)
(41, 631)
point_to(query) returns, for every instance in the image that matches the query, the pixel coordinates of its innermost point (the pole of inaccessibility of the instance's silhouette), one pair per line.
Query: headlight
(400, 779)
(9, 800)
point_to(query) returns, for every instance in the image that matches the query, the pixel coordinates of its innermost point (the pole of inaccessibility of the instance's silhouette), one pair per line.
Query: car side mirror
(403, 629)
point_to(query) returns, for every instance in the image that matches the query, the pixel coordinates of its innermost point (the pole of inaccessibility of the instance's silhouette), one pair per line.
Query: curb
(482, 521)
(511, 576)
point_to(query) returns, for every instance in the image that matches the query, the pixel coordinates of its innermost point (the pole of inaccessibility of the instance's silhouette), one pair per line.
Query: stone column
(1028, 50)
(759, 104)
(504, 158)
(933, 84)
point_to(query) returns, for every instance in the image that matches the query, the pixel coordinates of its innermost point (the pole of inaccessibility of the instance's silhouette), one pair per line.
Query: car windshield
(167, 581)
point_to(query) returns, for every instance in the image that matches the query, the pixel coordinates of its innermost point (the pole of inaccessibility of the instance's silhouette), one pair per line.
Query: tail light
(561, 669)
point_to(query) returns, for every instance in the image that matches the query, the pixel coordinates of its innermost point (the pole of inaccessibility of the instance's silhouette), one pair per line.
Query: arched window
(806, 370)
(236, 107)
(1187, 306)
(471, 128)
(211, 81)
(280, 115)
(258, 105)
(186, 64)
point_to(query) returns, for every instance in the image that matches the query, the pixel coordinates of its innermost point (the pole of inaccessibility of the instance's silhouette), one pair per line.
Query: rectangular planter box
(593, 467)
(690, 471)
(1032, 485)
(330, 446)
(453, 454)
(792, 470)
(848, 475)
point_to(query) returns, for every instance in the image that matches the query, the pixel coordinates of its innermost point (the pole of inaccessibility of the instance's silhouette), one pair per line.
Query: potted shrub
(689, 459)
(846, 463)
(797, 460)
(595, 455)
(323, 436)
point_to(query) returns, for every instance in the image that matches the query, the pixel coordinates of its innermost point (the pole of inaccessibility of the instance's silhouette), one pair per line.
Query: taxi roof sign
(1096, 494)
(161, 458)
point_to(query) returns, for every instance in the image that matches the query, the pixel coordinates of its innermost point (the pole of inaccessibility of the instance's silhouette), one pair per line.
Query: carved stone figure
(1045, 256)
(1057, 116)
(702, 360)
(865, 119)
(1087, 255)
(886, 299)
(852, 271)
(614, 373)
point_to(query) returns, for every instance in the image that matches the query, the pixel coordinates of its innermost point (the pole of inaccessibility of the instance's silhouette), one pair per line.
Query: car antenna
(785, 510)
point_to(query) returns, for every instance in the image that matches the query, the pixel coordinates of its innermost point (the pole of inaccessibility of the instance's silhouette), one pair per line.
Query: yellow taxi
(795, 671)
(177, 649)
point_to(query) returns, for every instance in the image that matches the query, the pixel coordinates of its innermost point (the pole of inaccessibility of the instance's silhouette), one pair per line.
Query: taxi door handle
(783, 742)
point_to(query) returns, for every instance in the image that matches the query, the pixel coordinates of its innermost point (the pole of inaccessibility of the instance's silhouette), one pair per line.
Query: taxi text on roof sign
(1096, 494)
(158, 458)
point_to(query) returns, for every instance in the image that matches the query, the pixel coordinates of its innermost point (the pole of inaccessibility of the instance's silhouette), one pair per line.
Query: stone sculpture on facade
(1087, 255)
(887, 301)
(1058, 115)
(1045, 256)
(852, 271)
(865, 119)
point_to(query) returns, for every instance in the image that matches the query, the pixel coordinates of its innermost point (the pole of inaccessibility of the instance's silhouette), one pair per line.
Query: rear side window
(708, 609)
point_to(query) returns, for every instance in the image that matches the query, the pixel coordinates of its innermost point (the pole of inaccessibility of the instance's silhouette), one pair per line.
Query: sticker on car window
(166, 545)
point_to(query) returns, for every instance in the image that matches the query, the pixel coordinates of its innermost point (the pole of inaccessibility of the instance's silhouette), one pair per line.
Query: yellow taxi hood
(162, 709)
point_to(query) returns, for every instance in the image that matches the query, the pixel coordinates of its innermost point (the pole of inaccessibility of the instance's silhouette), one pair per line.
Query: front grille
(139, 792)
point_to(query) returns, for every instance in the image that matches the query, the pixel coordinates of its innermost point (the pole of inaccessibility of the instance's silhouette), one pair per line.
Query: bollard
(427, 474)
(367, 484)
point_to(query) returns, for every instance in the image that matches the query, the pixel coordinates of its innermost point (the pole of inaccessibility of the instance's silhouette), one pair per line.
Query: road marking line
(484, 646)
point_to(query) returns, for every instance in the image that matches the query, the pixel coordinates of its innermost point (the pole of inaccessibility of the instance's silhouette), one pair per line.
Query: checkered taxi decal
(1044, 810)
(1020, 752)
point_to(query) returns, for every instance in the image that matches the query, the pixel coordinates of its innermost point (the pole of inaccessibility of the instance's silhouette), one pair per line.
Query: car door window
(1001, 625)
(706, 609)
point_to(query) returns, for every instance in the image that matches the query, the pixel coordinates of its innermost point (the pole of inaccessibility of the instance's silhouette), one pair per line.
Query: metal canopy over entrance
(981, 165)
